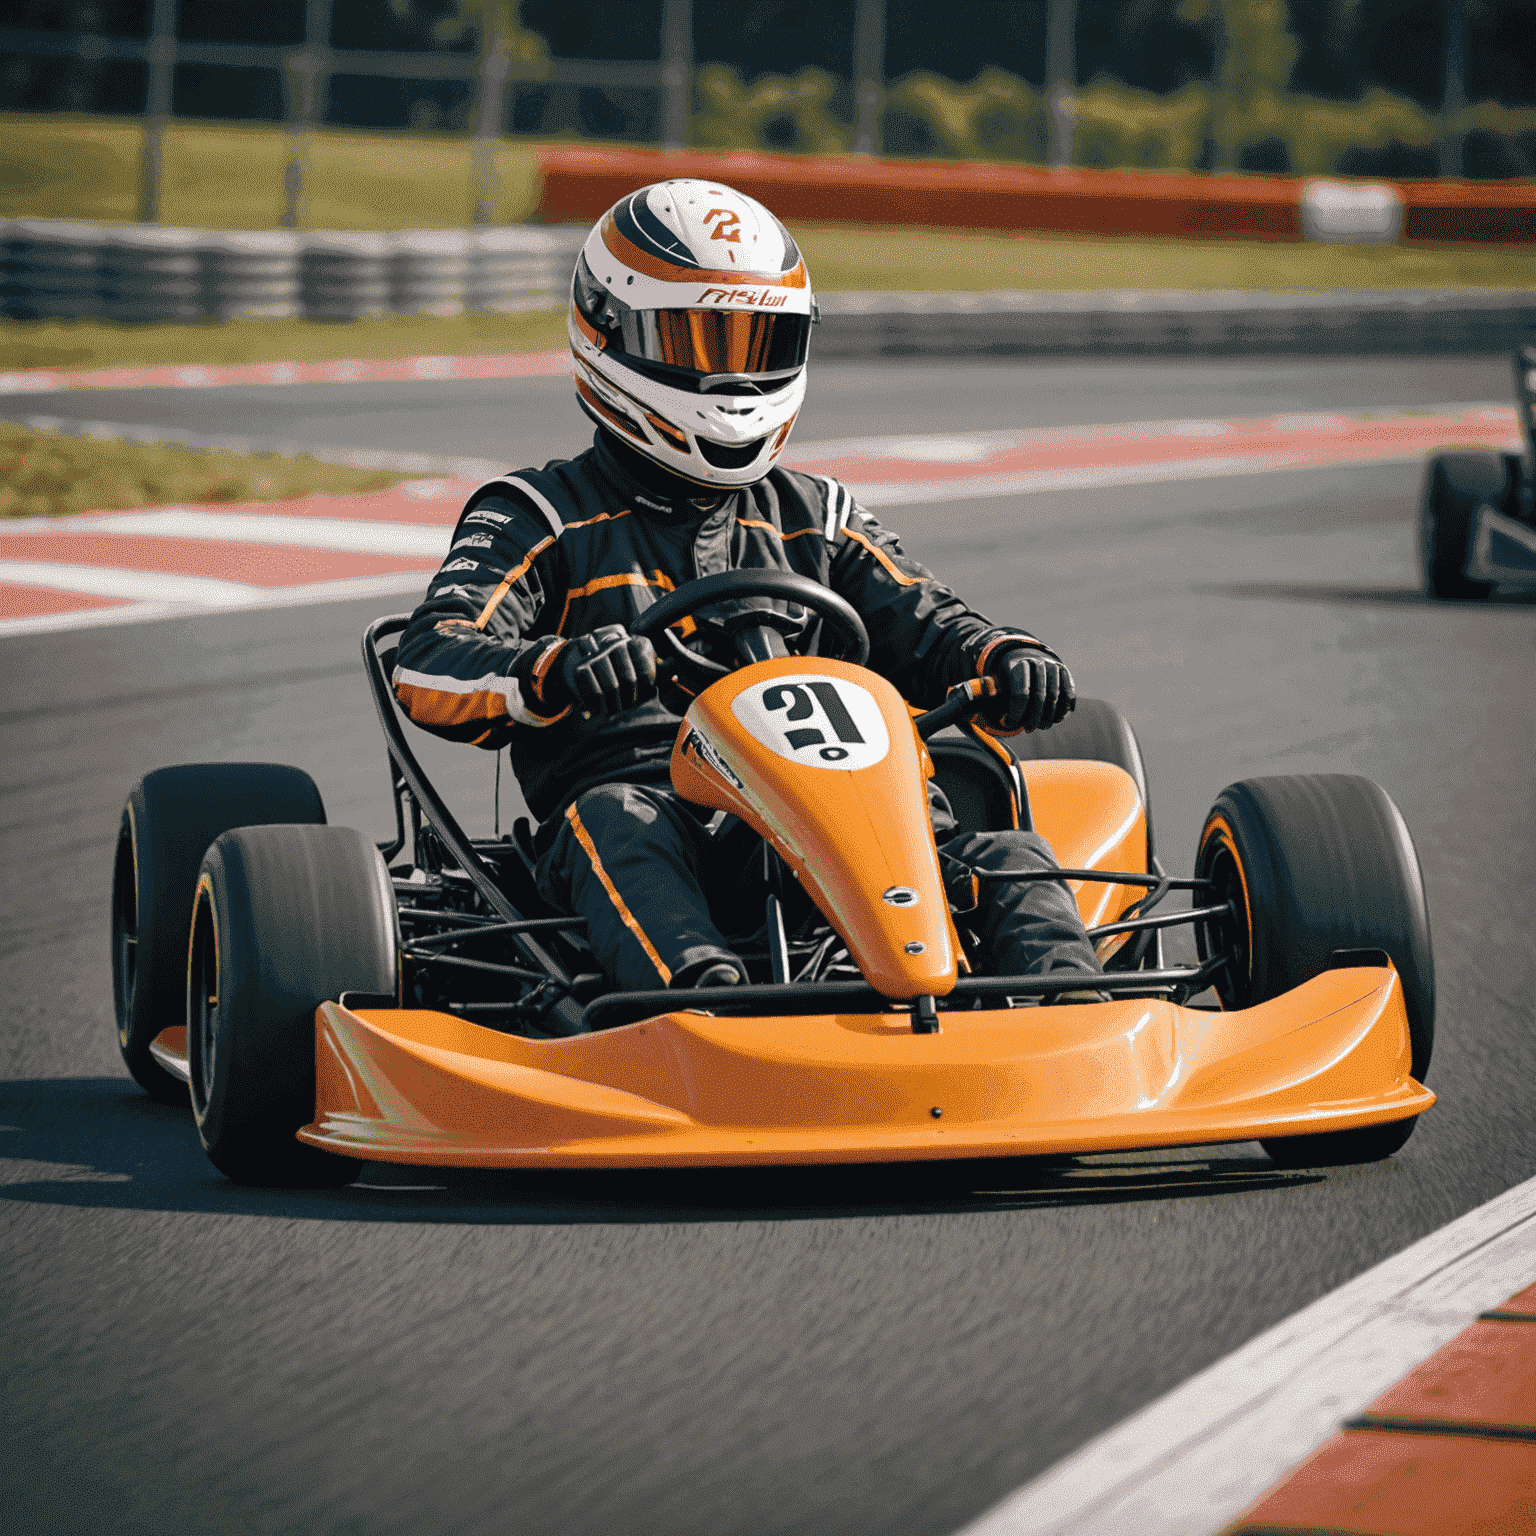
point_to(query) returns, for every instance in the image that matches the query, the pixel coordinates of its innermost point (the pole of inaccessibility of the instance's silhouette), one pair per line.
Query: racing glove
(604, 673)
(1034, 689)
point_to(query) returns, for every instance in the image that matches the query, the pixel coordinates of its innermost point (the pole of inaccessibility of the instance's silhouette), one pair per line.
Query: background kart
(416, 1003)
(1477, 515)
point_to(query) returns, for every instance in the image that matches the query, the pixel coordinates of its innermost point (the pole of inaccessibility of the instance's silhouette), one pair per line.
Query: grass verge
(44, 475)
(230, 175)
(51, 344)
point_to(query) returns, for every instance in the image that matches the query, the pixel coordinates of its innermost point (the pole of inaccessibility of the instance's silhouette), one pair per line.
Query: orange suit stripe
(508, 579)
(620, 905)
(623, 579)
(883, 558)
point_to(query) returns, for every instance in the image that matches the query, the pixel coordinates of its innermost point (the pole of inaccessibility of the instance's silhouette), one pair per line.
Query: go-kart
(416, 1002)
(1477, 513)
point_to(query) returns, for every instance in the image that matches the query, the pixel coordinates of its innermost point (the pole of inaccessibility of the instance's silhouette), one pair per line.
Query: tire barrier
(151, 273)
(579, 183)
(1403, 322)
(523, 267)
(141, 273)
(429, 272)
(344, 274)
(50, 270)
(251, 274)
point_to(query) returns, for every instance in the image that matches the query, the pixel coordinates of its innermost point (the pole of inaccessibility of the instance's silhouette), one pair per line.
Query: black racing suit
(547, 554)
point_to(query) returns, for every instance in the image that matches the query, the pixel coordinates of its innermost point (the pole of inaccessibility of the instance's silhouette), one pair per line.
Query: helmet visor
(716, 341)
(691, 346)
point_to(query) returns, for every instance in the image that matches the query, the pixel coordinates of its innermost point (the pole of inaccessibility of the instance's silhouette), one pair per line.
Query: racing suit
(546, 554)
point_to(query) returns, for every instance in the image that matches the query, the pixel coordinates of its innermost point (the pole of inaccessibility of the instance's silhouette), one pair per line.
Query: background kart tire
(1316, 863)
(1095, 731)
(285, 918)
(171, 817)
(1455, 486)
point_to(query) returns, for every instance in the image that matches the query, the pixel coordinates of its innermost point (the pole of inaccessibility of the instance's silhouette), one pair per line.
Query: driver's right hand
(605, 672)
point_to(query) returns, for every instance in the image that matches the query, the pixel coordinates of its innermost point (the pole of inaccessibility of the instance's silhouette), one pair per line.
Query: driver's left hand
(1035, 689)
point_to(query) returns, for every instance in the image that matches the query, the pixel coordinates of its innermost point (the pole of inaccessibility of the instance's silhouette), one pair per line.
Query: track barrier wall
(580, 184)
(55, 269)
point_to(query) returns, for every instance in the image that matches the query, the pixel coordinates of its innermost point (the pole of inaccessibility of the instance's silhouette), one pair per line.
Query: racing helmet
(690, 319)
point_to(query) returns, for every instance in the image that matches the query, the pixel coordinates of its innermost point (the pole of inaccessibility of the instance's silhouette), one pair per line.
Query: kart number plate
(821, 722)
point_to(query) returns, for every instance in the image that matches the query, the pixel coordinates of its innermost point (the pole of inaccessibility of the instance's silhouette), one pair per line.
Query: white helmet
(691, 314)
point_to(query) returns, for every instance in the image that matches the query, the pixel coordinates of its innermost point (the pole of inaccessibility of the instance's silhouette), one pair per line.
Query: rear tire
(1095, 731)
(1314, 864)
(286, 917)
(1455, 486)
(171, 817)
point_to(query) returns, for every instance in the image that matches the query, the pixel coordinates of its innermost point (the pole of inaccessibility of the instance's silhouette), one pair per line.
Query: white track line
(895, 493)
(420, 541)
(345, 590)
(1195, 1459)
(135, 586)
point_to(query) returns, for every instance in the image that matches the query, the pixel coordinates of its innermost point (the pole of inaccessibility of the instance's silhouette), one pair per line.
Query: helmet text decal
(763, 298)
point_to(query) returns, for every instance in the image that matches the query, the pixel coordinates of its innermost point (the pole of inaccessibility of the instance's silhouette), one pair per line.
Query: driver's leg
(1029, 928)
(628, 858)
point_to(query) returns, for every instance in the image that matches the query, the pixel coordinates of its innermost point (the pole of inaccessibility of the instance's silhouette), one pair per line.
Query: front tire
(171, 817)
(1455, 486)
(286, 917)
(1313, 864)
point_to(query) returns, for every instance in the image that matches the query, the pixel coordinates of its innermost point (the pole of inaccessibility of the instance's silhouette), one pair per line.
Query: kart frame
(453, 893)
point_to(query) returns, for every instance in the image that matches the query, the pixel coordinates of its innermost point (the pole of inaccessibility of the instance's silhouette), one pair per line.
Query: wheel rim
(203, 1001)
(1219, 865)
(125, 929)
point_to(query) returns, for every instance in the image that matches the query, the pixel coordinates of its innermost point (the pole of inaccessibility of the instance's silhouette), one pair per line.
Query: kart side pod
(821, 758)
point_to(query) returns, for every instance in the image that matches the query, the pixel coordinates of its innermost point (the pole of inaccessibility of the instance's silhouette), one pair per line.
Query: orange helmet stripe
(671, 272)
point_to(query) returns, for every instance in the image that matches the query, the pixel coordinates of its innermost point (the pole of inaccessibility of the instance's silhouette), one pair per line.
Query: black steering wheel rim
(726, 585)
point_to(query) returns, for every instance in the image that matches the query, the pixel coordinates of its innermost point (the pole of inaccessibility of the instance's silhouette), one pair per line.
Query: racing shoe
(710, 972)
(1082, 995)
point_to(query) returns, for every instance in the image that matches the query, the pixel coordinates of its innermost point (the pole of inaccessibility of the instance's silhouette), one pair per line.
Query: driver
(690, 316)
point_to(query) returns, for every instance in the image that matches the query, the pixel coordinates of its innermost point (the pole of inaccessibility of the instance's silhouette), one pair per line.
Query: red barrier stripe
(580, 183)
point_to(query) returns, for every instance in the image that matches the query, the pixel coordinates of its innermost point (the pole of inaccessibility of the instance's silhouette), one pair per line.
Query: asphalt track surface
(865, 1351)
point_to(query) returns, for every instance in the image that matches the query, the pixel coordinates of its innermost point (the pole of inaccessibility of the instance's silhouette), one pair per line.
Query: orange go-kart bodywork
(846, 810)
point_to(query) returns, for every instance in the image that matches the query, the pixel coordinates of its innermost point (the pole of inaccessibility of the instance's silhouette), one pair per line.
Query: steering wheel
(754, 632)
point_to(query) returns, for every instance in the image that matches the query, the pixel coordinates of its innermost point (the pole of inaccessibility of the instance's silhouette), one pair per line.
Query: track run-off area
(1223, 548)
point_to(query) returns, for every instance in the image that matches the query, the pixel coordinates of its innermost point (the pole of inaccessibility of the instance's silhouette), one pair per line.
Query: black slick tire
(1098, 732)
(285, 918)
(1315, 864)
(1455, 486)
(171, 817)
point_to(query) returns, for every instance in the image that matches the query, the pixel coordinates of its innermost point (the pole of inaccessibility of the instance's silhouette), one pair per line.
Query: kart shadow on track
(106, 1146)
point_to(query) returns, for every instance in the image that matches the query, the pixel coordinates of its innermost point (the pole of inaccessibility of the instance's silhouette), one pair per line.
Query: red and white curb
(116, 567)
(1206, 1455)
(502, 365)
(121, 567)
(891, 471)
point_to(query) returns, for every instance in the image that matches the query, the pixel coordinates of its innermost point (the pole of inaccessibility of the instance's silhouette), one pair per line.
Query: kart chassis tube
(859, 997)
(443, 822)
